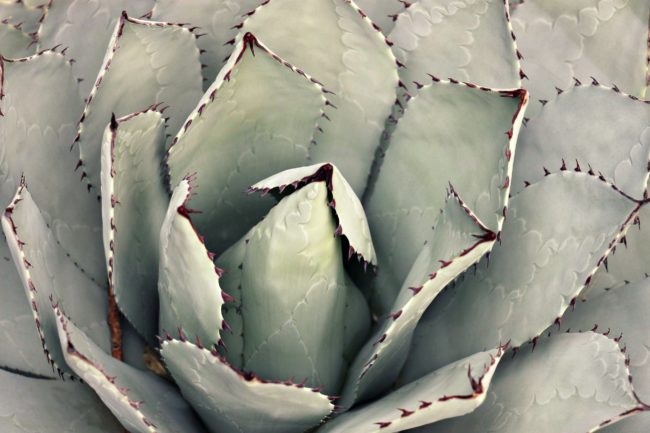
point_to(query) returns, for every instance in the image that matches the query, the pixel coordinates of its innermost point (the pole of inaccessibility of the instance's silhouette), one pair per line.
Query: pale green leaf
(571, 383)
(35, 141)
(229, 402)
(332, 41)
(431, 148)
(551, 244)
(587, 127)
(451, 391)
(637, 423)
(134, 201)
(470, 41)
(146, 63)
(46, 273)
(85, 29)
(259, 117)
(382, 12)
(357, 320)
(603, 39)
(14, 42)
(22, 14)
(188, 285)
(30, 405)
(141, 401)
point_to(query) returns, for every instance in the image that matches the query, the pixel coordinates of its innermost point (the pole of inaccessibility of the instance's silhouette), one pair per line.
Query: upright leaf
(146, 63)
(551, 244)
(431, 148)
(335, 42)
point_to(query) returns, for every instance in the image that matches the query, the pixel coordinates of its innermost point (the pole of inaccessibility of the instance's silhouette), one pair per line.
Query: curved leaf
(573, 383)
(188, 285)
(431, 148)
(453, 390)
(146, 63)
(292, 292)
(357, 320)
(46, 406)
(551, 244)
(35, 141)
(85, 28)
(230, 402)
(259, 117)
(217, 21)
(637, 423)
(382, 12)
(46, 273)
(470, 41)
(134, 201)
(559, 40)
(14, 42)
(456, 243)
(141, 401)
(585, 127)
(21, 14)
(335, 42)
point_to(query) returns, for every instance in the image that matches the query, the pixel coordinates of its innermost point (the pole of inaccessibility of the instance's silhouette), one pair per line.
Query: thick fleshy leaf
(453, 390)
(456, 243)
(141, 401)
(35, 142)
(382, 12)
(637, 423)
(431, 148)
(344, 202)
(585, 127)
(47, 406)
(604, 41)
(19, 13)
(229, 402)
(217, 21)
(19, 339)
(630, 261)
(335, 42)
(46, 272)
(469, 41)
(292, 292)
(14, 42)
(551, 244)
(569, 383)
(188, 285)
(357, 320)
(147, 63)
(259, 117)
(623, 311)
(85, 28)
(134, 201)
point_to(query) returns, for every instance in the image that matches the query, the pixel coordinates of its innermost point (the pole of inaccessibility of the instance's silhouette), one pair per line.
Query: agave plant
(319, 215)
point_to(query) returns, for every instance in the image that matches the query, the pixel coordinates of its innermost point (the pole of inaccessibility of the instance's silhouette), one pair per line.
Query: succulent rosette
(290, 216)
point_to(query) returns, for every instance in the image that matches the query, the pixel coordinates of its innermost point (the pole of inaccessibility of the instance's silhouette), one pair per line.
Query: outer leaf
(578, 127)
(431, 148)
(552, 243)
(346, 205)
(292, 292)
(35, 141)
(573, 383)
(470, 41)
(623, 311)
(141, 401)
(19, 338)
(335, 42)
(22, 14)
(46, 272)
(14, 42)
(230, 402)
(45, 406)
(259, 117)
(457, 242)
(382, 12)
(637, 423)
(133, 207)
(453, 390)
(560, 40)
(217, 21)
(147, 63)
(190, 295)
(85, 28)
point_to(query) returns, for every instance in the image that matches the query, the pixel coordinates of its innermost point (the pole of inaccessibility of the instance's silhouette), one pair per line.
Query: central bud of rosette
(294, 313)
